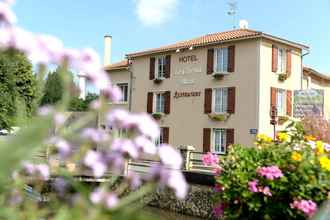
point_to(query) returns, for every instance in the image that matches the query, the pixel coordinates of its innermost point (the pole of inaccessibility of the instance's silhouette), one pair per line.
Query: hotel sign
(308, 102)
(188, 59)
(186, 94)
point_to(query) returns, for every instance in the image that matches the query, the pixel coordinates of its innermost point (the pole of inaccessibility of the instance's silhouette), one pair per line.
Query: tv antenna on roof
(232, 11)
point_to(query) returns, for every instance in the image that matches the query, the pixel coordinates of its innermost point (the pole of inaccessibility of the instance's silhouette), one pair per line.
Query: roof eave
(287, 42)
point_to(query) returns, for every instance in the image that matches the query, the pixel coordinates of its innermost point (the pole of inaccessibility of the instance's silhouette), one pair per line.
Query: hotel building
(215, 90)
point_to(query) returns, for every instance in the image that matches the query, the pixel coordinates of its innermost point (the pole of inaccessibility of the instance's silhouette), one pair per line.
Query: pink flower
(266, 191)
(210, 159)
(271, 173)
(253, 186)
(218, 187)
(218, 210)
(308, 207)
(96, 162)
(217, 170)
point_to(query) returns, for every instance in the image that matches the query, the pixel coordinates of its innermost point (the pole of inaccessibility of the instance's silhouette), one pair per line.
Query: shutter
(231, 59)
(208, 101)
(168, 66)
(150, 102)
(166, 134)
(206, 140)
(231, 100)
(288, 62)
(167, 107)
(273, 92)
(152, 68)
(210, 61)
(289, 102)
(274, 58)
(230, 137)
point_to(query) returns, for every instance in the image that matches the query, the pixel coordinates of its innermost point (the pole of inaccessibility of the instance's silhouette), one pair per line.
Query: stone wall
(198, 202)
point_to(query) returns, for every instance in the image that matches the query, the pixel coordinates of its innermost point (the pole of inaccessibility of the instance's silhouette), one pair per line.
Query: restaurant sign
(308, 102)
(186, 94)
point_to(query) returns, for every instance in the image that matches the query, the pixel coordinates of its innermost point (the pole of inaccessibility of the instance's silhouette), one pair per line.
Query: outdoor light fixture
(191, 48)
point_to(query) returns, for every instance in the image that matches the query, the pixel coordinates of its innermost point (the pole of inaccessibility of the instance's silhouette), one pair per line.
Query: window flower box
(218, 75)
(158, 80)
(157, 115)
(219, 116)
(282, 77)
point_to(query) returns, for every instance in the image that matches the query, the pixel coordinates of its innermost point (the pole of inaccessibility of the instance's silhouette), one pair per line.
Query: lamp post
(273, 121)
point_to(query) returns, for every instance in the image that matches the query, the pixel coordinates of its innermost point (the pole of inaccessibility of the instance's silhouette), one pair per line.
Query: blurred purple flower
(133, 179)
(146, 145)
(94, 135)
(170, 157)
(45, 110)
(125, 147)
(59, 119)
(7, 16)
(97, 196)
(43, 170)
(111, 200)
(95, 161)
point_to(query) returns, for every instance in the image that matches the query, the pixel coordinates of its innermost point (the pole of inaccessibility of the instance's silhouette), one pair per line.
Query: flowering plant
(284, 179)
(45, 187)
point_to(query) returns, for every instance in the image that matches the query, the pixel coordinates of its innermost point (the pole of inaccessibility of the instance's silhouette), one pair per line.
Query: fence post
(186, 156)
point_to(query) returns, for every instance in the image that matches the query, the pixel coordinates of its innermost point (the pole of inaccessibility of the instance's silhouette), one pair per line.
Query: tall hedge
(17, 85)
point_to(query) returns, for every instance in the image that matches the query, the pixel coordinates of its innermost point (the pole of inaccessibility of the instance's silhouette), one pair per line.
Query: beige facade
(252, 77)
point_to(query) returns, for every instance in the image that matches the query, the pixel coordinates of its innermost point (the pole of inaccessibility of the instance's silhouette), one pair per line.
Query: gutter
(130, 86)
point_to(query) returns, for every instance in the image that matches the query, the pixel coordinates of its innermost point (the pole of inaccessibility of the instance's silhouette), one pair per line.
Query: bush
(286, 179)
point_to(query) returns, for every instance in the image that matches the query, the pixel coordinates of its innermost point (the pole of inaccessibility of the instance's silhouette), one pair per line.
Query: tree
(53, 91)
(17, 85)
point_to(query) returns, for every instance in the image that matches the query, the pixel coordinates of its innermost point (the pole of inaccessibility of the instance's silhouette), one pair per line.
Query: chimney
(107, 50)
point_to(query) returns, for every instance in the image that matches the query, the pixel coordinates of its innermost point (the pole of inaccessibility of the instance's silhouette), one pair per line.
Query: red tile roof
(118, 66)
(237, 34)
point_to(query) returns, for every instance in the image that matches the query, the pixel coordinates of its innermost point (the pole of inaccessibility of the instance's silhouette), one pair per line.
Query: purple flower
(253, 186)
(271, 173)
(170, 157)
(43, 170)
(210, 159)
(327, 147)
(218, 210)
(145, 145)
(111, 200)
(95, 161)
(59, 119)
(63, 147)
(133, 179)
(45, 110)
(125, 147)
(113, 93)
(97, 196)
(95, 135)
(6, 14)
(308, 207)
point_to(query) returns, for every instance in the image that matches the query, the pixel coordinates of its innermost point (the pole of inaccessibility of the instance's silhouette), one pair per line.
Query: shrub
(286, 179)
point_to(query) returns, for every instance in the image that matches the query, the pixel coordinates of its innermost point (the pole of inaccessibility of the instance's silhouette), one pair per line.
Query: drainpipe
(130, 85)
(302, 69)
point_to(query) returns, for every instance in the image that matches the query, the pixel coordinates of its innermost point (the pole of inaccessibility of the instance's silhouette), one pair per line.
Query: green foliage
(17, 83)
(303, 178)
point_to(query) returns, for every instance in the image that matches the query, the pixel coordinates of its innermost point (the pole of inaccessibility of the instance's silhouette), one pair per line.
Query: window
(160, 103)
(221, 60)
(281, 101)
(124, 89)
(281, 65)
(160, 67)
(219, 141)
(220, 100)
(160, 139)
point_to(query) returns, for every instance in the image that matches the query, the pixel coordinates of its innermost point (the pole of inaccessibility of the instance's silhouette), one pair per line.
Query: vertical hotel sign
(307, 102)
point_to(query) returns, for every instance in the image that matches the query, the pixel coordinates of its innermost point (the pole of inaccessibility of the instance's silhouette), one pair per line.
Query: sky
(140, 24)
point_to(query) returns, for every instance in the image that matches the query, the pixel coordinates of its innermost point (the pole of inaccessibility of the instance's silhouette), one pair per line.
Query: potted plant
(219, 116)
(157, 115)
(158, 80)
(218, 75)
(282, 77)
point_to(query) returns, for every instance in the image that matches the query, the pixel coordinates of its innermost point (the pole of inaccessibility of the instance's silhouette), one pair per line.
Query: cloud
(155, 12)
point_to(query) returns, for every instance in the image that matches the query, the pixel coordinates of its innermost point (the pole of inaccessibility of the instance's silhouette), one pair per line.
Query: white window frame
(160, 67)
(223, 100)
(281, 96)
(281, 60)
(120, 85)
(224, 61)
(162, 102)
(222, 148)
(160, 139)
